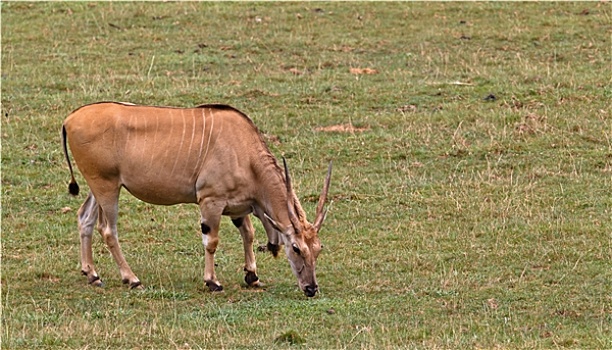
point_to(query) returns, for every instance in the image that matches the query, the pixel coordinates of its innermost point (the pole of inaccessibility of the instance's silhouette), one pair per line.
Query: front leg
(274, 239)
(248, 235)
(210, 240)
(210, 219)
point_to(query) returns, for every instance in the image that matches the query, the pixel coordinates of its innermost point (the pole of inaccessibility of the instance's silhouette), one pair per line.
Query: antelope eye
(296, 249)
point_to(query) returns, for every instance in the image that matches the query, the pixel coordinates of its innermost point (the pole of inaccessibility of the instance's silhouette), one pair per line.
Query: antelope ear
(275, 224)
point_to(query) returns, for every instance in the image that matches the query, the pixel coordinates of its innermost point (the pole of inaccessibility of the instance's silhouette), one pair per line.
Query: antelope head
(301, 240)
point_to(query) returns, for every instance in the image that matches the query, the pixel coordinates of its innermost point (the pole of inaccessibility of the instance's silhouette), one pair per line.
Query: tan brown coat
(213, 156)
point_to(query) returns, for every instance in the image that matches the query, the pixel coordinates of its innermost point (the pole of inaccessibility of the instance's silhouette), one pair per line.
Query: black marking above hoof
(238, 222)
(93, 280)
(274, 249)
(251, 278)
(136, 285)
(213, 287)
(205, 229)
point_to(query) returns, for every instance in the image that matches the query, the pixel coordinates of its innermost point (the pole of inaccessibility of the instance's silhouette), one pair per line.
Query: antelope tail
(73, 187)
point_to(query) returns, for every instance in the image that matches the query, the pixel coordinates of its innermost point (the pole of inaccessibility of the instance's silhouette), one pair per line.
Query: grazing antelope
(212, 155)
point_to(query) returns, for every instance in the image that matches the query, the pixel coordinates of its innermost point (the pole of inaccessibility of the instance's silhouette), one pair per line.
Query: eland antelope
(212, 155)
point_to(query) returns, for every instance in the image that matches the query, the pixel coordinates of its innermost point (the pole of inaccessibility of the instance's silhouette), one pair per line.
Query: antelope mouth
(311, 290)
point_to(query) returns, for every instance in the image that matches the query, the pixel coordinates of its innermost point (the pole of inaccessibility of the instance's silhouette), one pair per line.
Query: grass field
(471, 195)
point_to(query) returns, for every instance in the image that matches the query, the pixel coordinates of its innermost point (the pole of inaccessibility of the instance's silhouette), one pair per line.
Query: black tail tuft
(73, 188)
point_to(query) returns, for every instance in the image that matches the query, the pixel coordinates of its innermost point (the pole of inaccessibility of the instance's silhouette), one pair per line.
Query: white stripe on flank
(168, 144)
(144, 147)
(212, 123)
(179, 154)
(152, 153)
(127, 136)
(193, 126)
(115, 127)
(201, 141)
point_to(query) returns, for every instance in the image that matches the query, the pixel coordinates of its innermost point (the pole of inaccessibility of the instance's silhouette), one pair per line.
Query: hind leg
(87, 217)
(107, 196)
(247, 232)
(107, 226)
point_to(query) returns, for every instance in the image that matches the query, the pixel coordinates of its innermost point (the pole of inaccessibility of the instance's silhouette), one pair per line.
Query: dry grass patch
(342, 128)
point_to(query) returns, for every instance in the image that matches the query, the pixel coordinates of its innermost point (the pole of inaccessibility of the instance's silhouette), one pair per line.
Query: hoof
(213, 287)
(136, 285)
(95, 281)
(133, 285)
(251, 278)
(257, 284)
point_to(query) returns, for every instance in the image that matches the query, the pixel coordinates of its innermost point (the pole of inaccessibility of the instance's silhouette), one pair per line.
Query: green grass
(455, 222)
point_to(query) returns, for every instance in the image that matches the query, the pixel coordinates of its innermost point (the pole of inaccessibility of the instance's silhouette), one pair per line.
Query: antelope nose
(311, 290)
